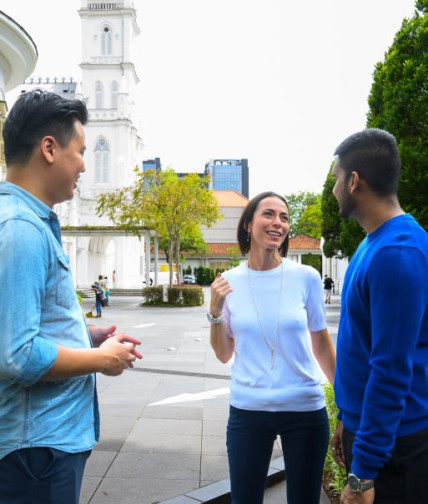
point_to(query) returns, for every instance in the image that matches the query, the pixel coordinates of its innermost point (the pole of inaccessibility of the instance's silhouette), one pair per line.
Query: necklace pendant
(272, 362)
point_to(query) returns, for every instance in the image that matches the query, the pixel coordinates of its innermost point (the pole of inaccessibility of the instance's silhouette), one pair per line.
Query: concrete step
(126, 292)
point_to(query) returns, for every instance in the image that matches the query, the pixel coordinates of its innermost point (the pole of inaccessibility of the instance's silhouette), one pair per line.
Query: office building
(228, 175)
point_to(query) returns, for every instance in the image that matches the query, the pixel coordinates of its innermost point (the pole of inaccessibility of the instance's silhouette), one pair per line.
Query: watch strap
(214, 320)
(357, 485)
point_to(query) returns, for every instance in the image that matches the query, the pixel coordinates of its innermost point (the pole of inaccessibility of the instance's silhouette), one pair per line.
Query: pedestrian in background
(99, 296)
(381, 383)
(261, 312)
(107, 290)
(328, 285)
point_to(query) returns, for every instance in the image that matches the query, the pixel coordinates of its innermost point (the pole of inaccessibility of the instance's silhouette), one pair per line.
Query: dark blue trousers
(41, 476)
(250, 438)
(403, 479)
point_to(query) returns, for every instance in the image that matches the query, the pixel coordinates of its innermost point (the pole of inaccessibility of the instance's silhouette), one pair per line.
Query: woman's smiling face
(270, 224)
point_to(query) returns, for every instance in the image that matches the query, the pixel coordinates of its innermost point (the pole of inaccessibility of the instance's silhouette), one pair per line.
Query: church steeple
(109, 29)
(109, 85)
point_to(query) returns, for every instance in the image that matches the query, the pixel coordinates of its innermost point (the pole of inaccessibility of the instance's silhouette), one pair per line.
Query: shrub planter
(179, 295)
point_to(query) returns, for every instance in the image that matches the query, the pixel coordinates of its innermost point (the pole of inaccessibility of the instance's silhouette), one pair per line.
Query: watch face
(353, 482)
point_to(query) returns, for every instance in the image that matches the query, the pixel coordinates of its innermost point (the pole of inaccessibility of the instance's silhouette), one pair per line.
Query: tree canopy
(311, 220)
(297, 204)
(398, 103)
(341, 236)
(162, 201)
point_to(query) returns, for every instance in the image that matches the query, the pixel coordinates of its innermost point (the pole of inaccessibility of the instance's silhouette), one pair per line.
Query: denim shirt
(39, 310)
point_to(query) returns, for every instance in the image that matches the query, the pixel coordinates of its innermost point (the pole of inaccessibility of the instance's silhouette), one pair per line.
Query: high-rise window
(102, 161)
(114, 94)
(228, 175)
(105, 41)
(99, 95)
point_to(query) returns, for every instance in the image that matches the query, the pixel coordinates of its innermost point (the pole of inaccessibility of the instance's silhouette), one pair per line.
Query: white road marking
(139, 326)
(209, 394)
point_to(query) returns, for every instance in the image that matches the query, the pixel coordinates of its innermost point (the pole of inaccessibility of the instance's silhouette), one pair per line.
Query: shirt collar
(38, 207)
(42, 210)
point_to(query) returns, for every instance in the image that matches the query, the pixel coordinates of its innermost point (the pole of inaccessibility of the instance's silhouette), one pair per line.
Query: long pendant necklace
(272, 345)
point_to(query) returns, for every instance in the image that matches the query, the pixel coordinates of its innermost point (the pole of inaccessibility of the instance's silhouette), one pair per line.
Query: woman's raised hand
(220, 288)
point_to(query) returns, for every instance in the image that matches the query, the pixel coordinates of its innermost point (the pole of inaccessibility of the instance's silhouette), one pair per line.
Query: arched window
(99, 95)
(105, 41)
(102, 162)
(114, 94)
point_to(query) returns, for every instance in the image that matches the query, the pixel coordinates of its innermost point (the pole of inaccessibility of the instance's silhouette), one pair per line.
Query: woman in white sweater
(269, 313)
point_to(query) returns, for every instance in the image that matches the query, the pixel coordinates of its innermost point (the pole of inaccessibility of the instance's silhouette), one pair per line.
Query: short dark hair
(373, 154)
(36, 114)
(247, 216)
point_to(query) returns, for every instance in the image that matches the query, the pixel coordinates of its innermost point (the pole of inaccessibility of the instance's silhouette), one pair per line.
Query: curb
(219, 492)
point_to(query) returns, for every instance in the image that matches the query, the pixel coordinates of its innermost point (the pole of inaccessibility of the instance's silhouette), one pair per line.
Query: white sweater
(293, 384)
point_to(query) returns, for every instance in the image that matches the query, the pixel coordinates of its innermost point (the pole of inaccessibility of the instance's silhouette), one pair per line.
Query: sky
(279, 82)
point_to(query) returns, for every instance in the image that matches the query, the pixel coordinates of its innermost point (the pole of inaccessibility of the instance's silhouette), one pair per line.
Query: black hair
(373, 154)
(36, 114)
(244, 238)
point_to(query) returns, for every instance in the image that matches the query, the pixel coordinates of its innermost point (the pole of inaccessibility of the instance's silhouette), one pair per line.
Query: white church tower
(109, 82)
(113, 145)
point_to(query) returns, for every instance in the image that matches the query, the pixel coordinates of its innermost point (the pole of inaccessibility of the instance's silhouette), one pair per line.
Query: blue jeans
(250, 439)
(41, 475)
(98, 304)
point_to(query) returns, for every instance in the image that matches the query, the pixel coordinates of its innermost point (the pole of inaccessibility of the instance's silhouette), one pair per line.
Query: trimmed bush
(180, 295)
(204, 276)
(174, 295)
(153, 295)
(193, 295)
(334, 476)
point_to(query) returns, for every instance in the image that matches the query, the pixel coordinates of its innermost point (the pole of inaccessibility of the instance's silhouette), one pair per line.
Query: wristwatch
(356, 485)
(214, 320)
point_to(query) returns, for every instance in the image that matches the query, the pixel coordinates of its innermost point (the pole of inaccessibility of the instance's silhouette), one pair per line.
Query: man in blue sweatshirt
(381, 383)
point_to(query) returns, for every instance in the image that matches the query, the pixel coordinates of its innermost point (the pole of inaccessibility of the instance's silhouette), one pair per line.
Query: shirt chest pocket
(65, 293)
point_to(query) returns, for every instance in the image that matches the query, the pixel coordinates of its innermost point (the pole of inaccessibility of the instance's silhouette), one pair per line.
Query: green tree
(341, 236)
(235, 254)
(297, 204)
(164, 202)
(310, 221)
(398, 103)
(192, 240)
(313, 260)
(331, 220)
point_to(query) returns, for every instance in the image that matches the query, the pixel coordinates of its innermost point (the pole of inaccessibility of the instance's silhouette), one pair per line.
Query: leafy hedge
(206, 276)
(152, 295)
(180, 295)
(333, 474)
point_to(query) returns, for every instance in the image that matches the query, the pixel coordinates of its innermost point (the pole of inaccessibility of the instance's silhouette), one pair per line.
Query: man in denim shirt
(48, 408)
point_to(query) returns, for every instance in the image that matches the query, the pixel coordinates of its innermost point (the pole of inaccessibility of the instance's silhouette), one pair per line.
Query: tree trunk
(177, 260)
(170, 260)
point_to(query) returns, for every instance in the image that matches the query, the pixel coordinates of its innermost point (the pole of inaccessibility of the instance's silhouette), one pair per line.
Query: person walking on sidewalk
(381, 383)
(261, 312)
(49, 419)
(99, 296)
(328, 285)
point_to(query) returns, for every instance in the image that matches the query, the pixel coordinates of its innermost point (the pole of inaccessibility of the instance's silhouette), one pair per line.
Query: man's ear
(354, 182)
(48, 147)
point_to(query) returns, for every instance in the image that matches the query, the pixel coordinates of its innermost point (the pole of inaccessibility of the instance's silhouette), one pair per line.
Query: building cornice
(18, 53)
(104, 231)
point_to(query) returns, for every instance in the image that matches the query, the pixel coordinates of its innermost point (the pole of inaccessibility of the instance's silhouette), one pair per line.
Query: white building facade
(18, 57)
(113, 144)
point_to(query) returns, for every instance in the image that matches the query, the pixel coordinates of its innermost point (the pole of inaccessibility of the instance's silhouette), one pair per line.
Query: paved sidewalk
(163, 423)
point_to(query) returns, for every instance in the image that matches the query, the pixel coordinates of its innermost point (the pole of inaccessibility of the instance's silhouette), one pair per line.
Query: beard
(346, 205)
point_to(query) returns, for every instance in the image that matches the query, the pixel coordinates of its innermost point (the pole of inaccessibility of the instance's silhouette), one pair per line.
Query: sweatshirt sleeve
(397, 303)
